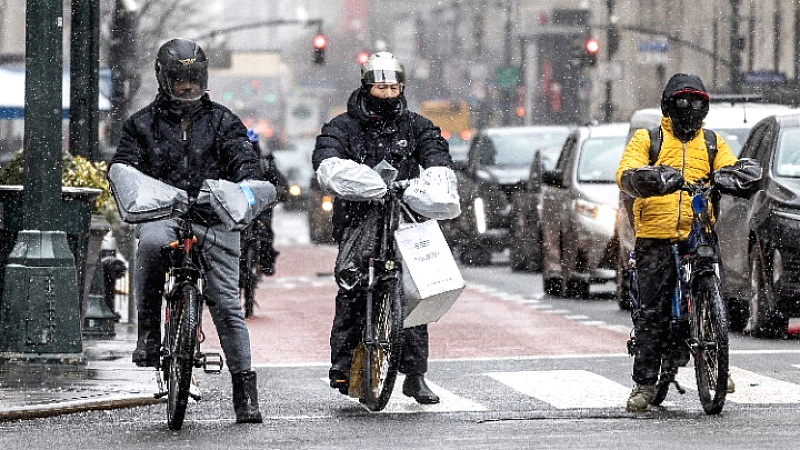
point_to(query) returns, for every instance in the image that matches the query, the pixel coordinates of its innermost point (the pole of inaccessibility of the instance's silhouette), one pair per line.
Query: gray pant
(221, 248)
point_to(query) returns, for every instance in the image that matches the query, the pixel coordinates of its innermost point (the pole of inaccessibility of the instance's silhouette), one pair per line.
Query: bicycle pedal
(678, 387)
(194, 392)
(211, 362)
(158, 395)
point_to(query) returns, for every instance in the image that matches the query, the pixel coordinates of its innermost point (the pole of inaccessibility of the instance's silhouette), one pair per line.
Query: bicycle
(180, 350)
(696, 299)
(376, 359)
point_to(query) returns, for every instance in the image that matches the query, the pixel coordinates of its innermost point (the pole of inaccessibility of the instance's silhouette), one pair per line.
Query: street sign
(653, 52)
(507, 77)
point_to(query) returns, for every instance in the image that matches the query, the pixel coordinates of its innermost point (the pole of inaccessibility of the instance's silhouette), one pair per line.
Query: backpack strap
(711, 146)
(655, 143)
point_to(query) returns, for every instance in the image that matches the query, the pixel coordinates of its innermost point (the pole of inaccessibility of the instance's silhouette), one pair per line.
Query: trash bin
(75, 216)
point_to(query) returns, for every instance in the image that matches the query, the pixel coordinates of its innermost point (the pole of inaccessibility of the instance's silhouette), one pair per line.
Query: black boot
(245, 397)
(415, 386)
(148, 345)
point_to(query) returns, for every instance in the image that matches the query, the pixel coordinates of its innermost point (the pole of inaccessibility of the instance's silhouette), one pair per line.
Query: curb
(74, 406)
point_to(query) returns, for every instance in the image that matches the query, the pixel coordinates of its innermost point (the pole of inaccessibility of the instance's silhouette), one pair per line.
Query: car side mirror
(552, 178)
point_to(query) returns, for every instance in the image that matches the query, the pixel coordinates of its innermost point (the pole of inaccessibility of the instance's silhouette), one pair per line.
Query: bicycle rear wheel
(382, 349)
(710, 332)
(182, 348)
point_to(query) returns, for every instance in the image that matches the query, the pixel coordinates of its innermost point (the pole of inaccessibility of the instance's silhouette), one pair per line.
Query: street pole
(608, 109)
(736, 49)
(84, 79)
(40, 317)
(506, 91)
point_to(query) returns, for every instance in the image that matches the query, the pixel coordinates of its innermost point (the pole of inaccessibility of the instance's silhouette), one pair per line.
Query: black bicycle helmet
(181, 60)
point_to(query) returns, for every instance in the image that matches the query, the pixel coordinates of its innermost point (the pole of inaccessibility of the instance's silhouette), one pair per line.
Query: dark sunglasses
(694, 103)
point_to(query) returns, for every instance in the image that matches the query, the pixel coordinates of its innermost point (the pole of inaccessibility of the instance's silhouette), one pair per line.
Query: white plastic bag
(431, 279)
(434, 194)
(350, 180)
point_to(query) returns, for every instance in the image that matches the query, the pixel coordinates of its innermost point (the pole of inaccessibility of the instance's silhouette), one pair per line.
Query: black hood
(355, 106)
(681, 82)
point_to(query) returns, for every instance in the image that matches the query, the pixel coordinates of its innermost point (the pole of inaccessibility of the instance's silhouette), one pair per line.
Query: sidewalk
(108, 380)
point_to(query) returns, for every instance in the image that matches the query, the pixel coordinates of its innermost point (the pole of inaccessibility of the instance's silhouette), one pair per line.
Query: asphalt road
(515, 369)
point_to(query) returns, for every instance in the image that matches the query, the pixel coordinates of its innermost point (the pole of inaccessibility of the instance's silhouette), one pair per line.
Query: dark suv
(760, 236)
(499, 161)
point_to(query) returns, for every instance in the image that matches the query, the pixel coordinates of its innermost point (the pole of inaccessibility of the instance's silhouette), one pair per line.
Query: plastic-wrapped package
(434, 194)
(350, 180)
(142, 198)
(237, 204)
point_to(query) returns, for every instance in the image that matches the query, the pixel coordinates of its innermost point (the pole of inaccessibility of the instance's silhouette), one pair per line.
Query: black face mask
(687, 114)
(386, 108)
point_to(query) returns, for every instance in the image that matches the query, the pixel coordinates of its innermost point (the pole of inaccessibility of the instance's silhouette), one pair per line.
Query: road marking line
(566, 389)
(751, 387)
(399, 403)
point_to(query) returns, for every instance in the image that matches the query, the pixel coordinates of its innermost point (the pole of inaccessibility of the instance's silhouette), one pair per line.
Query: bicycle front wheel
(183, 344)
(382, 349)
(710, 333)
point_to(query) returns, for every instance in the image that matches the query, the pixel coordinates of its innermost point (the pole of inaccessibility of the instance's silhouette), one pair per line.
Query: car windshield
(787, 160)
(600, 158)
(550, 156)
(734, 137)
(517, 149)
(295, 165)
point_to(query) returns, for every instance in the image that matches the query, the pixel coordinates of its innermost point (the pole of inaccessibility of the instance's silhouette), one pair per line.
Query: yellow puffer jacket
(670, 216)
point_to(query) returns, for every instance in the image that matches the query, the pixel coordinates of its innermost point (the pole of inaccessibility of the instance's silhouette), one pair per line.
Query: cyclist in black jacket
(377, 126)
(183, 138)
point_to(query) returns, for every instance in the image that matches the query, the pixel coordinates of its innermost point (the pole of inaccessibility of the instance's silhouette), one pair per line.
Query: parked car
(319, 207)
(497, 163)
(579, 200)
(760, 236)
(526, 209)
(294, 162)
(731, 117)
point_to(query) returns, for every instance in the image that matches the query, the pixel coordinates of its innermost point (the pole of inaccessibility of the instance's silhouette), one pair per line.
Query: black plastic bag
(358, 243)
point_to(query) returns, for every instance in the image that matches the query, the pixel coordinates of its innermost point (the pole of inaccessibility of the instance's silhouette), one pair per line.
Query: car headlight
(600, 212)
(295, 190)
(327, 203)
(480, 215)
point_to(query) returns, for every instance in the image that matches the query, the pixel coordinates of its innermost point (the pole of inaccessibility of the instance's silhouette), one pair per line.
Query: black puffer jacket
(213, 146)
(407, 142)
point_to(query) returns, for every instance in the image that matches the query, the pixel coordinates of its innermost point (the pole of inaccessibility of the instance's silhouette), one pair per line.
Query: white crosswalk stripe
(751, 387)
(566, 389)
(449, 402)
(584, 389)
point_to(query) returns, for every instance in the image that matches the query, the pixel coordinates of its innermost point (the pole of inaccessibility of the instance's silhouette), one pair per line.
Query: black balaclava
(385, 108)
(686, 120)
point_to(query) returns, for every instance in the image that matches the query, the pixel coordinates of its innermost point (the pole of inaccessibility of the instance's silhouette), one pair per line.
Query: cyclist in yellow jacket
(663, 215)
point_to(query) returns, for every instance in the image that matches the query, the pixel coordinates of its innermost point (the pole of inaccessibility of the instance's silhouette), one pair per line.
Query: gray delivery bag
(237, 204)
(142, 198)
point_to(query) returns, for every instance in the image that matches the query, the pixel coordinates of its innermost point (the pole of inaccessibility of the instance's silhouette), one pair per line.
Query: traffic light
(319, 43)
(590, 49)
(363, 56)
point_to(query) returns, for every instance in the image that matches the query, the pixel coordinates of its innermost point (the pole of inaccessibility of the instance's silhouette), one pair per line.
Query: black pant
(657, 275)
(348, 323)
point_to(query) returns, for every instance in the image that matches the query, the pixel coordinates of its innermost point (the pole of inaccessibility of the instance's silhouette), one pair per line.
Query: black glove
(651, 181)
(741, 179)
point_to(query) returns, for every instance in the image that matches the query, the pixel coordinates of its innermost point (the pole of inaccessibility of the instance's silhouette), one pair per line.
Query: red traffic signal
(591, 48)
(363, 57)
(319, 42)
